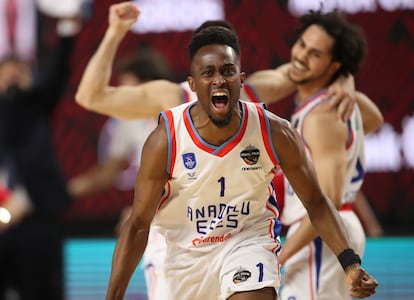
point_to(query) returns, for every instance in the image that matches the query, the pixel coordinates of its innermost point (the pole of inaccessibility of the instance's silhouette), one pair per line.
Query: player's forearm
(371, 115)
(98, 177)
(128, 252)
(95, 79)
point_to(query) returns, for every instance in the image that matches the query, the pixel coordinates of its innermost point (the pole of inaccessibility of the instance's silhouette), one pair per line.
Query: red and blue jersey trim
(223, 149)
(172, 142)
(311, 100)
(251, 93)
(186, 96)
(267, 135)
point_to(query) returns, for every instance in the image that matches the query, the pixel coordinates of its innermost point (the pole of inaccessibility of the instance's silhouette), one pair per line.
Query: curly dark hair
(213, 35)
(350, 46)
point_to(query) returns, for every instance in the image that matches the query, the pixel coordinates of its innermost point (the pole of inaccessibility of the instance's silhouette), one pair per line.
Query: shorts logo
(189, 160)
(250, 155)
(241, 275)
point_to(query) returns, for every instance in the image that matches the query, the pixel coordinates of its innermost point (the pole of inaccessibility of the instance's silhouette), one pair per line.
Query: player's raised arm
(94, 92)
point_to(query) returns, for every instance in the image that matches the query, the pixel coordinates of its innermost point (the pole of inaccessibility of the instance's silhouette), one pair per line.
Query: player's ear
(335, 66)
(190, 81)
(242, 77)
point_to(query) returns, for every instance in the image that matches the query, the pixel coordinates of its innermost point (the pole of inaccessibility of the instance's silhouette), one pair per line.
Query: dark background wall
(266, 31)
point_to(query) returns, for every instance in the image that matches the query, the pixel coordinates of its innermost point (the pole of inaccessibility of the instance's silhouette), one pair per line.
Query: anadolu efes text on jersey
(216, 193)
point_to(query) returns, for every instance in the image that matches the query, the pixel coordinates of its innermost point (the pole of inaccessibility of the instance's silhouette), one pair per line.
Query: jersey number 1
(221, 181)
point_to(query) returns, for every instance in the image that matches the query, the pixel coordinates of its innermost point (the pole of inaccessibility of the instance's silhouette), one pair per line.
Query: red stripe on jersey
(314, 98)
(273, 210)
(167, 192)
(250, 93)
(193, 135)
(279, 185)
(186, 96)
(351, 136)
(265, 134)
(173, 141)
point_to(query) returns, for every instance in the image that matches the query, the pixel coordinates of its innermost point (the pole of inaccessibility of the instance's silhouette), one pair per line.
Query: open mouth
(220, 100)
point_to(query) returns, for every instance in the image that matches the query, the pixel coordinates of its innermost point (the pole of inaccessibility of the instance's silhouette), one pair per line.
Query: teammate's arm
(97, 178)
(344, 88)
(273, 85)
(94, 92)
(372, 118)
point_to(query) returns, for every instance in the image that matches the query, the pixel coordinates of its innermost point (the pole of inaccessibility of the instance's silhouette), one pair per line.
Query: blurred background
(266, 31)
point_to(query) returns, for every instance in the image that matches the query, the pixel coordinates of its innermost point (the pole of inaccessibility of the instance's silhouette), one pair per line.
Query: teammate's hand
(122, 16)
(361, 284)
(342, 96)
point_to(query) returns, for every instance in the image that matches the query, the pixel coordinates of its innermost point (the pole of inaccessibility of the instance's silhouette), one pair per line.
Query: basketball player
(206, 178)
(327, 47)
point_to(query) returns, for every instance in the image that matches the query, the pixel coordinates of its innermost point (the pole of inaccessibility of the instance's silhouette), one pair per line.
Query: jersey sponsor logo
(189, 160)
(191, 176)
(241, 275)
(211, 239)
(250, 155)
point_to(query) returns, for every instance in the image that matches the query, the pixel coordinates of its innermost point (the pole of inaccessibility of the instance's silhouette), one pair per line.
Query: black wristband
(348, 257)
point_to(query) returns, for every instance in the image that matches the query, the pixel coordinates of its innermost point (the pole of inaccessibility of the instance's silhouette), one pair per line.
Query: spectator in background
(30, 250)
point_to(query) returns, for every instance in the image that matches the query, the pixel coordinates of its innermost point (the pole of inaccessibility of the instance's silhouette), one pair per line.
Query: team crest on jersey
(189, 160)
(250, 155)
(241, 275)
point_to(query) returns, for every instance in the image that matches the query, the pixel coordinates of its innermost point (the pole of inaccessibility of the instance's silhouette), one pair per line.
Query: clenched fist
(122, 16)
(361, 284)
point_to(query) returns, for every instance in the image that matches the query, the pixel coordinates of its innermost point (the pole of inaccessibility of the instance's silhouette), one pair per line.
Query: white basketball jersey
(293, 209)
(215, 192)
